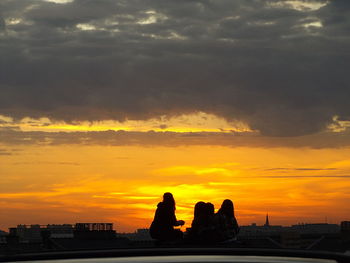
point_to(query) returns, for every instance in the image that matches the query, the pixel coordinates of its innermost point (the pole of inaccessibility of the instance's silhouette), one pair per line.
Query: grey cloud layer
(11, 138)
(255, 61)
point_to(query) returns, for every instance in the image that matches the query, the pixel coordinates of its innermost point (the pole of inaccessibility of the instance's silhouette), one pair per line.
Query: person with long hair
(199, 220)
(162, 227)
(202, 228)
(227, 225)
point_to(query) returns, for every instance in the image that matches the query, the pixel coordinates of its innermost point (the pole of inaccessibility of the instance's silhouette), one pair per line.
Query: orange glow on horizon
(68, 184)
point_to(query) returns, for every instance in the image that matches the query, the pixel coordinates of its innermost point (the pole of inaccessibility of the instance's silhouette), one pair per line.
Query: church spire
(267, 223)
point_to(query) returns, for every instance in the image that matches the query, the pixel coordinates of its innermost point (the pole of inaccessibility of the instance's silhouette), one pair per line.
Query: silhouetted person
(162, 227)
(225, 221)
(198, 219)
(202, 228)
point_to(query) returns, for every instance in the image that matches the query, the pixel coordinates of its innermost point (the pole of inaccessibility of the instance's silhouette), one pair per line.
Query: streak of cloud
(151, 138)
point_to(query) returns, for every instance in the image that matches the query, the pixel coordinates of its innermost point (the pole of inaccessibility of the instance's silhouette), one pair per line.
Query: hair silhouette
(199, 209)
(227, 208)
(210, 209)
(169, 200)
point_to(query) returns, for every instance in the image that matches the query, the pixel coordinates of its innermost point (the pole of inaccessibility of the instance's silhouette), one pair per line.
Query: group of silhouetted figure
(207, 226)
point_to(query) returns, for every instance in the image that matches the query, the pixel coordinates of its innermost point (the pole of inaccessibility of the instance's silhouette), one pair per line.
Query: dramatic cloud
(279, 66)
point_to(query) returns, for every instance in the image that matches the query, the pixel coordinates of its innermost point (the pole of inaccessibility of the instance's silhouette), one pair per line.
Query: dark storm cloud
(261, 62)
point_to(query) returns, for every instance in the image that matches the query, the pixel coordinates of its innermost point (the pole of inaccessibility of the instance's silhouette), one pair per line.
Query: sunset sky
(107, 104)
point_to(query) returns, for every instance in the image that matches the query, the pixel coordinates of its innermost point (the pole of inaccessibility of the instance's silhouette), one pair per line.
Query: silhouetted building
(94, 226)
(301, 236)
(259, 231)
(12, 239)
(36, 238)
(301, 229)
(139, 235)
(60, 231)
(139, 238)
(3, 235)
(318, 228)
(36, 233)
(33, 233)
(345, 233)
(345, 227)
(267, 223)
(94, 231)
(25, 233)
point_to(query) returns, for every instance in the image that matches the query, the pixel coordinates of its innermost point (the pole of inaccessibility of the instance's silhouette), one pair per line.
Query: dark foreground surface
(182, 255)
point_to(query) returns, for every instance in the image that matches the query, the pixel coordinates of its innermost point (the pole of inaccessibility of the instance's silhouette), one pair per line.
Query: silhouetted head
(199, 209)
(169, 200)
(210, 209)
(227, 208)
